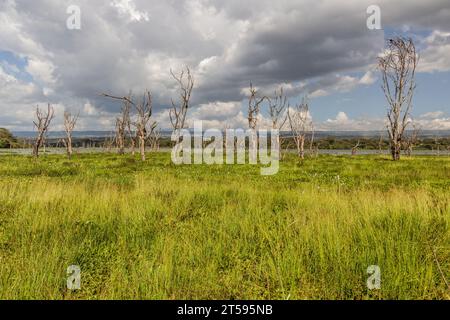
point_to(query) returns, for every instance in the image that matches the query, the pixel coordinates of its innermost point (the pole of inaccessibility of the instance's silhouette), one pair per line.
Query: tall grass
(160, 231)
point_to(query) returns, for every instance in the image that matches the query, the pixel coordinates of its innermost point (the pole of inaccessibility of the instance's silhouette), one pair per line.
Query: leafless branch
(398, 66)
(42, 122)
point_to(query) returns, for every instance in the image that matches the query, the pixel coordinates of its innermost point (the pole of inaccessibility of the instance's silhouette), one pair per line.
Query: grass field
(154, 230)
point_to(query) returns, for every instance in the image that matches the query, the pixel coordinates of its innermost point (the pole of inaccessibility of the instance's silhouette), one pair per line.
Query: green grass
(154, 230)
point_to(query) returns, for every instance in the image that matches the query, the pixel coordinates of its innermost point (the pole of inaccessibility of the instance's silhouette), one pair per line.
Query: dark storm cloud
(125, 44)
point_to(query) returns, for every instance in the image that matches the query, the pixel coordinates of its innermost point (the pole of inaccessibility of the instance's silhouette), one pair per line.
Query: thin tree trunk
(37, 145)
(133, 144)
(142, 147)
(395, 150)
(302, 147)
(69, 147)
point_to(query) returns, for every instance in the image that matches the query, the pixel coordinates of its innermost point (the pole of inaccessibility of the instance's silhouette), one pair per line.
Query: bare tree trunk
(253, 111)
(300, 123)
(311, 143)
(355, 148)
(144, 113)
(395, 149)
(42, 124)
(302, 147)
(122, 122)
(37, 145)
(120, 136)
(380, 144)
(69, 147)
(277, 111)
(69, 125)
(178, 112)
(398, 66)
(142, 147)
(133, 145)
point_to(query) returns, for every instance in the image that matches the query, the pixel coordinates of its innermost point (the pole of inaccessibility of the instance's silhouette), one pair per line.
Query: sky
(319, 48)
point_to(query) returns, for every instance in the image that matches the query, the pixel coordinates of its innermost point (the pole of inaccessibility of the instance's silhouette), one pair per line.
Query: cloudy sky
(321, 48)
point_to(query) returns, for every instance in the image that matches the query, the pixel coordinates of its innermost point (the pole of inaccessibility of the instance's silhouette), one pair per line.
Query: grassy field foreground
(154, 230)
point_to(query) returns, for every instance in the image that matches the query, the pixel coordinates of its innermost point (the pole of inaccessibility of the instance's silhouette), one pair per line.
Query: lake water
(28, 151)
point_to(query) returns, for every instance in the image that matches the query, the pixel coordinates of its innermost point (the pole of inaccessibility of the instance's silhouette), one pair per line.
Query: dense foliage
(7, 140)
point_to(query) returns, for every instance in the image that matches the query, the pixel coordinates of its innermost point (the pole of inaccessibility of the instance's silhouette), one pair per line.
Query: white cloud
(41, 70)
(436, 55)
(432, 115)
(368, 78)
(12, 90)
(338, 84)
(128, 8)
(219, 115)
(343, 123)
(436, 120)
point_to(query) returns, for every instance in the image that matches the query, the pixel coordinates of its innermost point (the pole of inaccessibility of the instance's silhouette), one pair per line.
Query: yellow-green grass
(154, 230)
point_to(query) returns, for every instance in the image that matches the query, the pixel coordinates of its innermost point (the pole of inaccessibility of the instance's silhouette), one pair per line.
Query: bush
(7, 140)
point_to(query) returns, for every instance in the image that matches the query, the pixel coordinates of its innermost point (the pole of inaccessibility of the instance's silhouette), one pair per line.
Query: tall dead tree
(69, 124)
(254, 107)
(131, 135)
(123, 122)
(144, 114)
(398, 67)
(123, 125)
(277, 111)
(277, 108)
(300, 124)
(43, 120)
(178, 112)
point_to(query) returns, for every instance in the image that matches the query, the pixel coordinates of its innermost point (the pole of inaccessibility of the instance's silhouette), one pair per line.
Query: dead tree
(60, 142)
(69, 124)
(155, 139)
(398, 68)
(355, 148)
(277, 109)
(380, 143)
(42, 123)
(144, 114)
(311, 142)
(277, 112)
(125, 121)
(178, 112)
(132, 136)
(412, 139)
(109, 142)
(300, 124)
(438, 145)
(120, 136)
(123, 124)
(254, 107)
